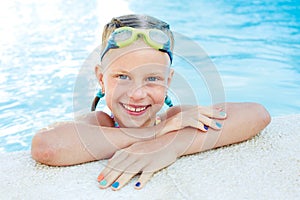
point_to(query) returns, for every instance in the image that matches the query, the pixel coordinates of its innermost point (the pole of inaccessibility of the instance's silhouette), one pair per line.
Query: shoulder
(98, 118)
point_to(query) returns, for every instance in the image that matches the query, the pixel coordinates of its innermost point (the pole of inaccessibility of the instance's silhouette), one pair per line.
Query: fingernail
(218, 124)
(100, 177)
(115, 184)
(138, 184)
(222, 113)
(103, 182)
(205, 127)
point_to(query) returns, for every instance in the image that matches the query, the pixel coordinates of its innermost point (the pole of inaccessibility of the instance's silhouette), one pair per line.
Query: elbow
(265, 116)
(41, 150)
(262, 118)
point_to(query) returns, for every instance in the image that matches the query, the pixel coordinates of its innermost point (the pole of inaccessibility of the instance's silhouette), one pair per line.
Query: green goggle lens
(122, 36)
(158, 36)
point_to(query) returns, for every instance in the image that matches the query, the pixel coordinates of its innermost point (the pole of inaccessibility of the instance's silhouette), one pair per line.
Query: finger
(118, 157)
(115, 172)
(122, 181)
(207, 122)
(198, 125)
(212, 112)
(109, 179)
(144, 178)
(127, 175)
(218, 107)
(219, 114)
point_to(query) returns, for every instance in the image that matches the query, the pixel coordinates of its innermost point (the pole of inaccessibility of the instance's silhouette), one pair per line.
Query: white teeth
(139, 109)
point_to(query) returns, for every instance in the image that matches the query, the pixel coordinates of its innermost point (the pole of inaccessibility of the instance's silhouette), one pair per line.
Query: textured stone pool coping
(265, 167)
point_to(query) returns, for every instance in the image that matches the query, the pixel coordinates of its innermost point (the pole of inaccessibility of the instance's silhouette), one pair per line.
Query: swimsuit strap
(157, 120)
(116, 124)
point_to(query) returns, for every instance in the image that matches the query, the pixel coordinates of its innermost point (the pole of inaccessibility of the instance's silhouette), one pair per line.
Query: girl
(134, 76)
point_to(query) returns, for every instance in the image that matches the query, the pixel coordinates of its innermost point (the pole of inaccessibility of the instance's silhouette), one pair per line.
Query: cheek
(158, 95)
(115, 91)
(111, 91)
(110, 84)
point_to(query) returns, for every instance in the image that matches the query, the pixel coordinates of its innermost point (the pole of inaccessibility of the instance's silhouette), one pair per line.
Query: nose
(137, 92)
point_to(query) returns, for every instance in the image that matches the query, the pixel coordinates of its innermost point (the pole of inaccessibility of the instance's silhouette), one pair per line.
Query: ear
(99, 75)
(171, 73)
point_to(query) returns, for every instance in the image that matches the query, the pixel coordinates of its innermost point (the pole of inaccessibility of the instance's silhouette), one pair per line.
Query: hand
(199, 117)
(145, 157)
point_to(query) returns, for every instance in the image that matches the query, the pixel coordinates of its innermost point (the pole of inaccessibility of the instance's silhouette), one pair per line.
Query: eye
(152, 78)
(123, 77)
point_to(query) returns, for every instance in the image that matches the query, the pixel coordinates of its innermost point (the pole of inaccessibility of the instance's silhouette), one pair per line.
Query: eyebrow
(120, 71)
(128, 72)
(155, 74)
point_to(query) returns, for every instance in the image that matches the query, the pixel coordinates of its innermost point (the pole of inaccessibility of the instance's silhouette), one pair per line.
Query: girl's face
(135, 84)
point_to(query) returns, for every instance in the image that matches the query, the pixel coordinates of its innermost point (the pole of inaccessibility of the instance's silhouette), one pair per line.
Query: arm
(243, 122)
(92, 137)
(84, 140)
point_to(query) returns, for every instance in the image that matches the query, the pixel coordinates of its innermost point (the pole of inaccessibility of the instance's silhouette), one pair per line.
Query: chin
(136, 123)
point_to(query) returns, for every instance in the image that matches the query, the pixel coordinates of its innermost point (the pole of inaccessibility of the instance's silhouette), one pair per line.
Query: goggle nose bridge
(140, 35)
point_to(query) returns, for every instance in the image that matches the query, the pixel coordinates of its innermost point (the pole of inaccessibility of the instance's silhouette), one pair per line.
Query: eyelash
(126, 77)
(152, 77)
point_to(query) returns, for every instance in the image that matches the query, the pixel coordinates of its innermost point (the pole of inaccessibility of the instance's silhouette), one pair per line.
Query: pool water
(253, 45)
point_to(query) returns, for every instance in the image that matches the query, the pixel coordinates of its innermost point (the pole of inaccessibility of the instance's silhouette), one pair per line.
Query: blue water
(253, 45)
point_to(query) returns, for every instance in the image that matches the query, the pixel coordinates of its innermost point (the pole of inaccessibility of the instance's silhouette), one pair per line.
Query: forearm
(71, 143)
(244, 120)
(111, 139)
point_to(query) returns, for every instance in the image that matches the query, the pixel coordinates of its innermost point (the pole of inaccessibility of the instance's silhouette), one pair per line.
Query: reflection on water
(43, 45)
(255, 47)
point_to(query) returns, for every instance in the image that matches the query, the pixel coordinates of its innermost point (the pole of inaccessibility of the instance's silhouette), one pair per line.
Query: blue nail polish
(218, 124)
(103, 182)
(222, 113)
(138, 184)
(115, 184)
(205, 127)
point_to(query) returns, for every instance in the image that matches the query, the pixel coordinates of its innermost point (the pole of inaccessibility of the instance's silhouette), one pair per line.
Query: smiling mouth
(135, 109)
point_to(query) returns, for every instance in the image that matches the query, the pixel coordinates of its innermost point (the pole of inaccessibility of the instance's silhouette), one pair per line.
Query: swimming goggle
(124, 36)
